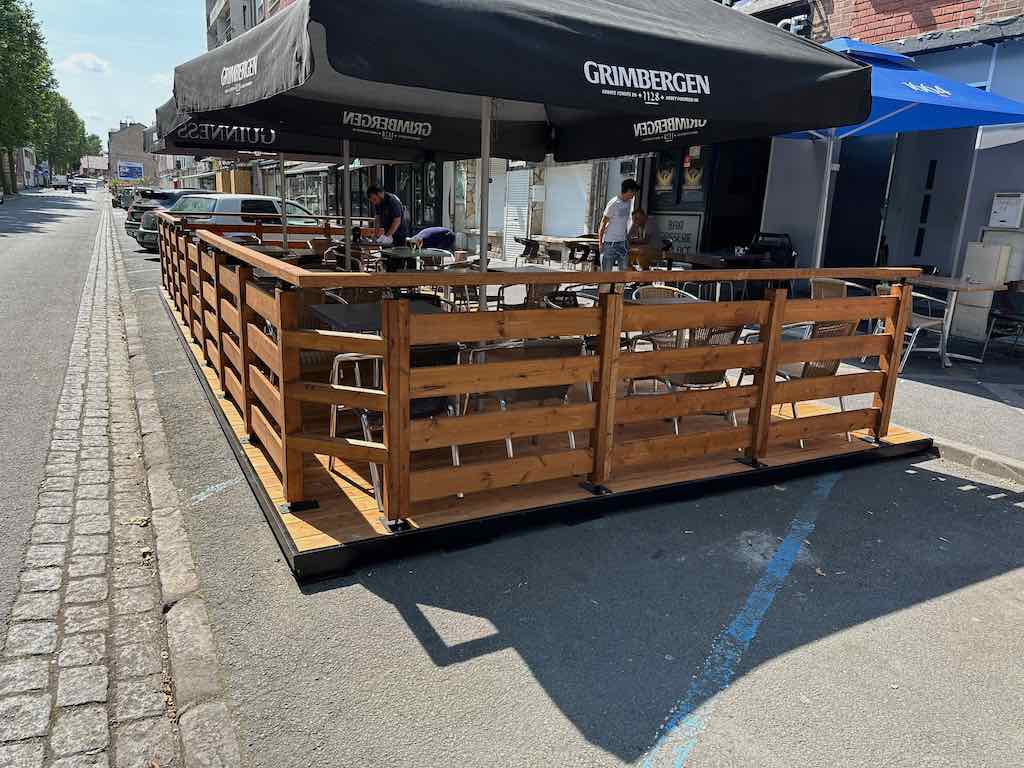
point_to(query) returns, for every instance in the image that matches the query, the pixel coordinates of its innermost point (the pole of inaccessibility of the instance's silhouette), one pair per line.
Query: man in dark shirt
(390, 213)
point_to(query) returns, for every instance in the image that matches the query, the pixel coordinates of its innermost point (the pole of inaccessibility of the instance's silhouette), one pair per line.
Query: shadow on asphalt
(30, 212)
(616, 616)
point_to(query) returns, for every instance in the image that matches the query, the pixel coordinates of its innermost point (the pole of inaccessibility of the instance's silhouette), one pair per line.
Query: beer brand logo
(652, 86)
(388, 128)
(242, 135)
(235, 76)
(935, 90)
(667, 128)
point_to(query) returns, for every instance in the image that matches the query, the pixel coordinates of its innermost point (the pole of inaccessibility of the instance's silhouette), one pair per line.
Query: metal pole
(885, 201)
(284, 202)
(347, 204)
(486, 106)
(768, 177)
(826, 189)
(961, 232)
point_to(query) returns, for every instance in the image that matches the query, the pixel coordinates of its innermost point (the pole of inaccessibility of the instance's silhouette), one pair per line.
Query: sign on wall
(127, 171)
(683, 229)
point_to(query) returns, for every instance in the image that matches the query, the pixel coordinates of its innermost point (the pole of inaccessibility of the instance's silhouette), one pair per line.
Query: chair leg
(456, 456)
(374, 470)
(572, 435)
(909, 349)
(503, 405)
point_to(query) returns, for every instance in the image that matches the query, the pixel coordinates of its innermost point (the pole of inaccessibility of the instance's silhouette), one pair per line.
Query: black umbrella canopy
(581, 79)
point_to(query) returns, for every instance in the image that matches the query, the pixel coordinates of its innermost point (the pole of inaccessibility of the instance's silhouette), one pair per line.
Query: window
(261, 207)
(194, 204)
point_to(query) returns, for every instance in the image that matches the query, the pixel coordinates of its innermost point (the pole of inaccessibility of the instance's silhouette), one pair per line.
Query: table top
(524, 268)
(957, 283)
(364, 318)
(557, 240)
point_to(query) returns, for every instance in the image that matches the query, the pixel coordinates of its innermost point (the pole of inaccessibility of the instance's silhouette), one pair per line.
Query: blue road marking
(682, 729)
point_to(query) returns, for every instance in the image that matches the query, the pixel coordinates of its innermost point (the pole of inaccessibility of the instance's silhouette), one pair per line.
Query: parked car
(148, 233)
(212, 208)
(1, 195)
(125, 197)
(60, 181)
(78, 185)
(146, 199)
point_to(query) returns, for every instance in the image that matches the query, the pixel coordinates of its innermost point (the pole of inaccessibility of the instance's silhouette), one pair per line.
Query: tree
(59, 133)
(93, 145)
(26, 76)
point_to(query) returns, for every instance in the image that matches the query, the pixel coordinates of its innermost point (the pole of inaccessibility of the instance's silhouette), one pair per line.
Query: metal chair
(930, 319)
(516, 351)
(828, 288)
(1006, 319)
(531, 250)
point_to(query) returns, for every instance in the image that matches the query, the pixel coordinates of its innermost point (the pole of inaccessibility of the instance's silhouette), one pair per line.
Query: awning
(577, 79)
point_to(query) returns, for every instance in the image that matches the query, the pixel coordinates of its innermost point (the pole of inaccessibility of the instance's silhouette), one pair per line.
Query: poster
(683, 229)
(130, 171)
(693, 169)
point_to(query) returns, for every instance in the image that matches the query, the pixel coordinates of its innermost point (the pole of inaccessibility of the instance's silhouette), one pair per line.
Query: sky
(115, 59)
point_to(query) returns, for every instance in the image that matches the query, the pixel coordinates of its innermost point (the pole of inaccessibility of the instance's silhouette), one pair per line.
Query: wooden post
(397, 416)
(244, 274)
(219, 294)
(764, 379)
(204, 332)
(291, 370)
(896, 327)
(602, 438)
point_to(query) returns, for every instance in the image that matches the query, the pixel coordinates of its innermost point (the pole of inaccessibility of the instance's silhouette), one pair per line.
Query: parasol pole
(346, 189)
(284, 203)
(821, 229)
(485, 187)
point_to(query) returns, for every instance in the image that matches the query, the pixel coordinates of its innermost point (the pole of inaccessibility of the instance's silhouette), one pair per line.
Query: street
(573, 645)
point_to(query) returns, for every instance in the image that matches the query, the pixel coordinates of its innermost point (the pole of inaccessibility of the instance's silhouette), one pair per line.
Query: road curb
(993, 464)
(207, 731)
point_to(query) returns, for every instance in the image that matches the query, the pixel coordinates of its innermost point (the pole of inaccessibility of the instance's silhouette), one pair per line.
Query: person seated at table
(613, 234)
(434, 237)
(390, 214)
(638, 227)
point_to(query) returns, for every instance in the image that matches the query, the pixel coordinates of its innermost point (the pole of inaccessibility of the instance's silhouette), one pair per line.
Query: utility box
(989, 264)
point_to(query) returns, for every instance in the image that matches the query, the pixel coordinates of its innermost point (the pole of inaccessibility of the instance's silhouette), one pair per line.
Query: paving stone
(91, 589)
(80, 729)
(80, 650)
(95, 453)
(32, 638)
(24, 716)
(91, 507)
(137, 660)
(60, 470)
(193, 652)
(138, 628)
(56, 499)
(93, 464)
(62, 457)
(35, 606)
(40, 579)
(145, 743)
(58, 484)
(86, 618)
(24, 675)
(90, 545)
(50, 533)
(134, 699)
(92, 524)
(136, 599)
(28, 754)
(53, 515)
(87, 565)
(208, 737)
(95, 760)
(94, 441)
(43, 555)
(82, 685)
(92, 492)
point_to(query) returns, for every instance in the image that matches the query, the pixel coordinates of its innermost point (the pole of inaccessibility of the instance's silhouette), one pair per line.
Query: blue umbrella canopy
(905, 98)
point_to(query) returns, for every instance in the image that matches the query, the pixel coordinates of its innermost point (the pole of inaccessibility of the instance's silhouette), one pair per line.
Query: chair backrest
(532, 349)
(706, 337)
(562, 299)
(828, 288)
(429, 356)
(433, 258)
(649, 292)
(827, 329)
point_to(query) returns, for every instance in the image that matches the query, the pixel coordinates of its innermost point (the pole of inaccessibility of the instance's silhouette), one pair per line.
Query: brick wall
(875, 21)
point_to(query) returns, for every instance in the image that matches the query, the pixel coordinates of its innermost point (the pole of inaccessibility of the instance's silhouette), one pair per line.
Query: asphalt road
(868, 618)
(46, 240)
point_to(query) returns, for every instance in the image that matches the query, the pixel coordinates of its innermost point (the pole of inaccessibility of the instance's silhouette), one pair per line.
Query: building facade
(227, 19)
(127, 144)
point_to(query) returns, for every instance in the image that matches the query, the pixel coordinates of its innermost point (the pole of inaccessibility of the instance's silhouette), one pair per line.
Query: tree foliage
(32, 113)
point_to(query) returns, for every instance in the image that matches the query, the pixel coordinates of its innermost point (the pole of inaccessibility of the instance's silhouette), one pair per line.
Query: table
(364, 318)
(572, 243)
(953, 286)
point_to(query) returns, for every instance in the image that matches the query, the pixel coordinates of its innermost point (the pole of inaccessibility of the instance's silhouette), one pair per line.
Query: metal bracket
(395, 526)
(597, 490)
(749, 462)
(299, 506)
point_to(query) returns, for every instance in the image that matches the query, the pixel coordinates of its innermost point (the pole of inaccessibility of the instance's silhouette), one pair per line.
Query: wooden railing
(252, 333)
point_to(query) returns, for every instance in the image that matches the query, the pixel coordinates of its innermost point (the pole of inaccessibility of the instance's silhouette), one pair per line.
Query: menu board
(683, 229)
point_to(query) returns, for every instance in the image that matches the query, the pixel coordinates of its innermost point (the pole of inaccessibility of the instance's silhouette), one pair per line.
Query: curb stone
(205, 725)
(993, 464)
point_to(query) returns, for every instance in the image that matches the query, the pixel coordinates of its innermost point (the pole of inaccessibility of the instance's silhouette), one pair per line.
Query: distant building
(227, 19)
(94, 165)
(128, 145)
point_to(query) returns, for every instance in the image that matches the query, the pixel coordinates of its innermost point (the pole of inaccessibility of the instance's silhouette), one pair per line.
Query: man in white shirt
(613, 234)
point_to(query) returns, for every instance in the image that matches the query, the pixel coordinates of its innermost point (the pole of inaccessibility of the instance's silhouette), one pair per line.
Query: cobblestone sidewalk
(85, 669)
